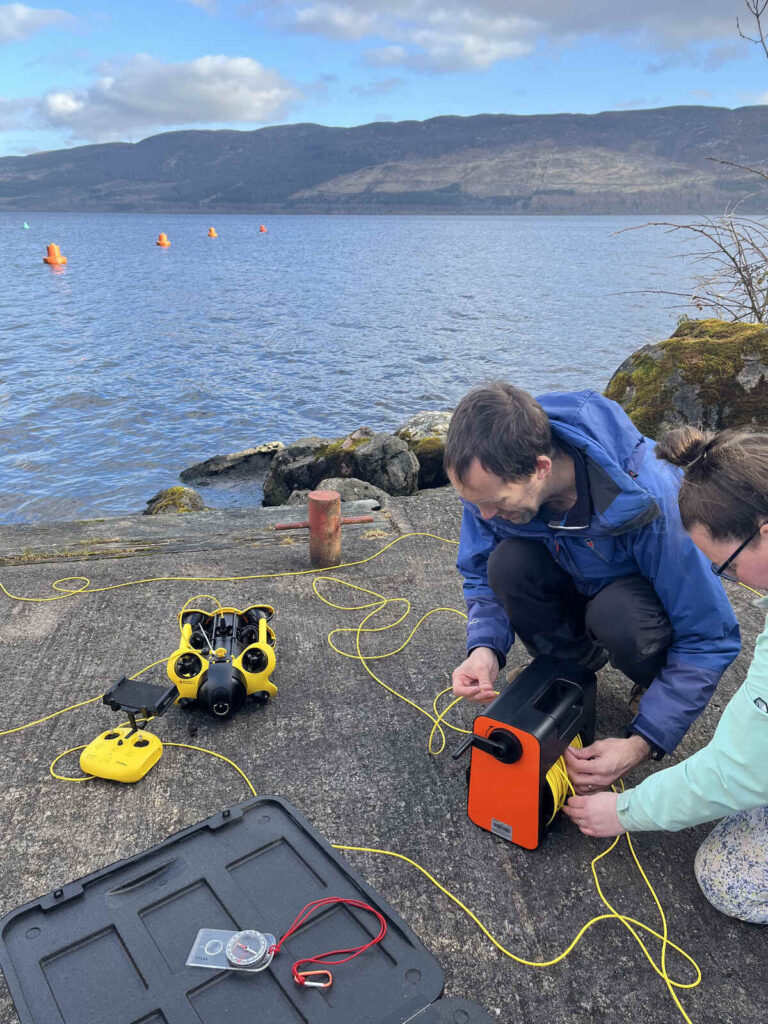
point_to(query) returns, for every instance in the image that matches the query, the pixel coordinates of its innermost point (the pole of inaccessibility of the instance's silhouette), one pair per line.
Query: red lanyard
(301, 976)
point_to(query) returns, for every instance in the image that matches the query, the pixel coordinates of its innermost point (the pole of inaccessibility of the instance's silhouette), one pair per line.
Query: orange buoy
(212, 233)
(54, 257)
(162, 240)
(262, 229)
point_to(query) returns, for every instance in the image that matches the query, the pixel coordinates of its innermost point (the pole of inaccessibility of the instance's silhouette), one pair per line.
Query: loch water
(134, 362)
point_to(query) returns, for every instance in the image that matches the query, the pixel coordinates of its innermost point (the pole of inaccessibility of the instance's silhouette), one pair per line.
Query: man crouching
(571, 539)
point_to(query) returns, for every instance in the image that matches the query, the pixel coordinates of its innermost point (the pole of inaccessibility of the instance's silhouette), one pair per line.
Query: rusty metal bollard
(324, 528)
(324, 525)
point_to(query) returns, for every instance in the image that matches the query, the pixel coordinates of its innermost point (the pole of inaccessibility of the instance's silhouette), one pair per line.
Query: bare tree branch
(741, 167)
(733, 257)
(756, 8)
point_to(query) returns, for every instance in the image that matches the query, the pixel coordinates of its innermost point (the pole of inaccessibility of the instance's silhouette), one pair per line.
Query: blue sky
(86, 72)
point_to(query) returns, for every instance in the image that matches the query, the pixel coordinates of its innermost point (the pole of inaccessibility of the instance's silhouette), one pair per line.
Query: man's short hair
(503, 427)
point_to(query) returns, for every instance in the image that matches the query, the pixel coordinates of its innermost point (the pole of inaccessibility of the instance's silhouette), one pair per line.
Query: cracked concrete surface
(348, 754)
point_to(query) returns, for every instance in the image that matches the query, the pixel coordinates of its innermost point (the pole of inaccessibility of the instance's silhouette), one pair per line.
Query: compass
(247, 948)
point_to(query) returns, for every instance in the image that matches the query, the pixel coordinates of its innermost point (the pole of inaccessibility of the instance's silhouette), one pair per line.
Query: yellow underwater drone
(224, 657)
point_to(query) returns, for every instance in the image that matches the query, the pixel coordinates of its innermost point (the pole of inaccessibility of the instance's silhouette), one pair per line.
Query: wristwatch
(657, 752)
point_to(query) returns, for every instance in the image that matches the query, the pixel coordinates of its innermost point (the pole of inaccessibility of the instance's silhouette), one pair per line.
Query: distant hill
(641, 161)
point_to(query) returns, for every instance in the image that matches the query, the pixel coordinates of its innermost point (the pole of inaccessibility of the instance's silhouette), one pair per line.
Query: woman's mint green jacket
(729, 774)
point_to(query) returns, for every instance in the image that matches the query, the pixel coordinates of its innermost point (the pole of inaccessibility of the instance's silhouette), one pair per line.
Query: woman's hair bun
(683, 446)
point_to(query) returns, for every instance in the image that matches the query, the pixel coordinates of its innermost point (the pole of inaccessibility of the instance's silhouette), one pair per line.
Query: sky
(90, 72)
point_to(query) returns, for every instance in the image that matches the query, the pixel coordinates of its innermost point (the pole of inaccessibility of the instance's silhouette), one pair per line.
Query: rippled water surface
(134, 362)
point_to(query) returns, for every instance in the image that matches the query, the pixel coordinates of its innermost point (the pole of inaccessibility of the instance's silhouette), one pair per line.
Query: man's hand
(474, 678)
(595, 815)
(601, 764)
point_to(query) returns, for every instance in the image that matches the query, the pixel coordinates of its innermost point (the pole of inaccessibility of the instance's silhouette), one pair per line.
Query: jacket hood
(614, 450)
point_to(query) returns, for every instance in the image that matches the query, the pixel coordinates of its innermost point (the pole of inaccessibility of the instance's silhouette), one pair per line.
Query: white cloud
(381, 88)
(710, 58)
(444, 36)
(13, 113)
(335, 20)
(451, 35)
(62, 104)
(386, 56)
(654, 22)
(17, 21)
(143, 95)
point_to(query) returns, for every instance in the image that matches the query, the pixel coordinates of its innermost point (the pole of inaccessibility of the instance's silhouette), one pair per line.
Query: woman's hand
(599, 765)
(595, 815)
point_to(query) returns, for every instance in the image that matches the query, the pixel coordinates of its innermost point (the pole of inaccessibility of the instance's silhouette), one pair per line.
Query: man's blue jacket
(635, 529)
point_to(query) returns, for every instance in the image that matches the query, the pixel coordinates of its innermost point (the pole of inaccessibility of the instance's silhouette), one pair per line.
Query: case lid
(111, 948)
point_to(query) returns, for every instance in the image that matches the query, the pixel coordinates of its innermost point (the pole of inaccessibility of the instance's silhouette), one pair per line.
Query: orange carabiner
(314, 984)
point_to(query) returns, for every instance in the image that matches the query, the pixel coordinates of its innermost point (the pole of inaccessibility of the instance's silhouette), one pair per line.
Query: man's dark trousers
(626, 620)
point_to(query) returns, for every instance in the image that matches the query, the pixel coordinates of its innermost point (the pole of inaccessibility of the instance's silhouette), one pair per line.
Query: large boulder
(387, 462)
(710, 373)
(425, 435)
(379, 459)
(252, 462)
(348, 489)
(174, 500)
(303, 464)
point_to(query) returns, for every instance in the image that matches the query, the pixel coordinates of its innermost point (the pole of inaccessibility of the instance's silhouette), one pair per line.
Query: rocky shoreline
(709, 373)
(359, 465)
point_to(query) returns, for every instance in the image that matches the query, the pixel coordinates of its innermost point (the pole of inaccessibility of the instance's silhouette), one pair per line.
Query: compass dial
(247, 948)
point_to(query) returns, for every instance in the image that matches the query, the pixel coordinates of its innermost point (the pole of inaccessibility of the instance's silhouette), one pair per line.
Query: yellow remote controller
(122, 754)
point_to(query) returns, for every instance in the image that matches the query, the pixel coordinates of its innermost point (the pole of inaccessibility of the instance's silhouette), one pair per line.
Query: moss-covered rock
(303, 464)
(425, 435)
(710, 373)
(379, 459)
(174, 499)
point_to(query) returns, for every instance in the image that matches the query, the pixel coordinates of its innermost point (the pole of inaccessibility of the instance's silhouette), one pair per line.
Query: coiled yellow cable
(629, 923)
(557, 776)
(559, 781)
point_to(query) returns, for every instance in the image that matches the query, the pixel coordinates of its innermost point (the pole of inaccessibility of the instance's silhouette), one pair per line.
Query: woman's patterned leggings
(732, 866)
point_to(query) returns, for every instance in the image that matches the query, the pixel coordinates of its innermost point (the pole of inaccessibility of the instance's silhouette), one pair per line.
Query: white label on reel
(500, 829)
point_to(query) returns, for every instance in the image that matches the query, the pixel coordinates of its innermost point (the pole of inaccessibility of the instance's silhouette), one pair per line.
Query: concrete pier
(351, 756)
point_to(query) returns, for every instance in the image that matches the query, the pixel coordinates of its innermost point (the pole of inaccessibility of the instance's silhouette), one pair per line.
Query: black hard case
(111, 948)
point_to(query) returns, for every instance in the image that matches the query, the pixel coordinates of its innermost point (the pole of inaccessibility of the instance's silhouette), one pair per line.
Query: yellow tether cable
(187, 746)
(750, 588)
(613, 914)
(73, 707)
(558, 780)
(378, 605)
(65, 592)
(204, 750)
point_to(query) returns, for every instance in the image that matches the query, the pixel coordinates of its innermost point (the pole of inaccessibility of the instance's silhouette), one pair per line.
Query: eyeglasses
(719, 570)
